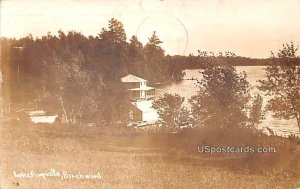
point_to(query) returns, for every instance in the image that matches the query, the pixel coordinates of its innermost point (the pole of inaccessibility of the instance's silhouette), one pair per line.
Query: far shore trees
(282, 84)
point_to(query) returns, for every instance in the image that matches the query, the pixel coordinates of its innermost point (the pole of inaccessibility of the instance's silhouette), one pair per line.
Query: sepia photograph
(153, 94)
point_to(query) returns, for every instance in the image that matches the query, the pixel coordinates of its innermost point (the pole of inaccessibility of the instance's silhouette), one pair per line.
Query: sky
(250, 28)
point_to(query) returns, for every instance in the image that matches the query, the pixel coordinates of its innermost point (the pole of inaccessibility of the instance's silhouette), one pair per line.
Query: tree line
(204, 58)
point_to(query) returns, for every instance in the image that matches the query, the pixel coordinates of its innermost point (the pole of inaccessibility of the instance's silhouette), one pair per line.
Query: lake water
(188, 88)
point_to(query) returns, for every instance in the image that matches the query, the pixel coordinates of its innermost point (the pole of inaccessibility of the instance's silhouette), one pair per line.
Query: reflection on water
(188, 87)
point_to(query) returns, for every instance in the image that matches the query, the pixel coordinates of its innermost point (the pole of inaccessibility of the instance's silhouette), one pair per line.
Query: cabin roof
(142, 88)
(36, 112)
(132, 79)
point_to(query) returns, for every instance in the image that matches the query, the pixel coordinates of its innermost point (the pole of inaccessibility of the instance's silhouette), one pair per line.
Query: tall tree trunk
(63, 108)
(298, 121)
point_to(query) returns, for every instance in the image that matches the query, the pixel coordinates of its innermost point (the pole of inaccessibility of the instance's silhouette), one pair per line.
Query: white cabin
(138, 88)
(141, 97)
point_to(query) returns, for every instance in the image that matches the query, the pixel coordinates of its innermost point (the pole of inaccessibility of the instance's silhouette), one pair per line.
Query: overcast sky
(250, 28)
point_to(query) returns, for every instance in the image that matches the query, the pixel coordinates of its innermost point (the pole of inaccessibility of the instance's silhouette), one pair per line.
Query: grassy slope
(141, 161)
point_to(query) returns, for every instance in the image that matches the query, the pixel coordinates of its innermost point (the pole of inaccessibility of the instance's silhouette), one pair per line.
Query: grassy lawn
(137, 161)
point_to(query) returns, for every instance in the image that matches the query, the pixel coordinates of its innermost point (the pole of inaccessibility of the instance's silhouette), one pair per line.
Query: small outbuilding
(143, 111)
(41, 116)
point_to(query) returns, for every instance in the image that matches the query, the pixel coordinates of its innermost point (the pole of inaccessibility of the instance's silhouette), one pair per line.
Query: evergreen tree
(153, 50)
(135, 48)
(114, 49)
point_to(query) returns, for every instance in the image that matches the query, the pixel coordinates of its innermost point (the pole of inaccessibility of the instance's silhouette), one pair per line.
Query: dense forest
(79, 76)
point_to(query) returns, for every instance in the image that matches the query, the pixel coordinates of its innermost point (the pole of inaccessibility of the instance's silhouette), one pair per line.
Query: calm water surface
(187, 88)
